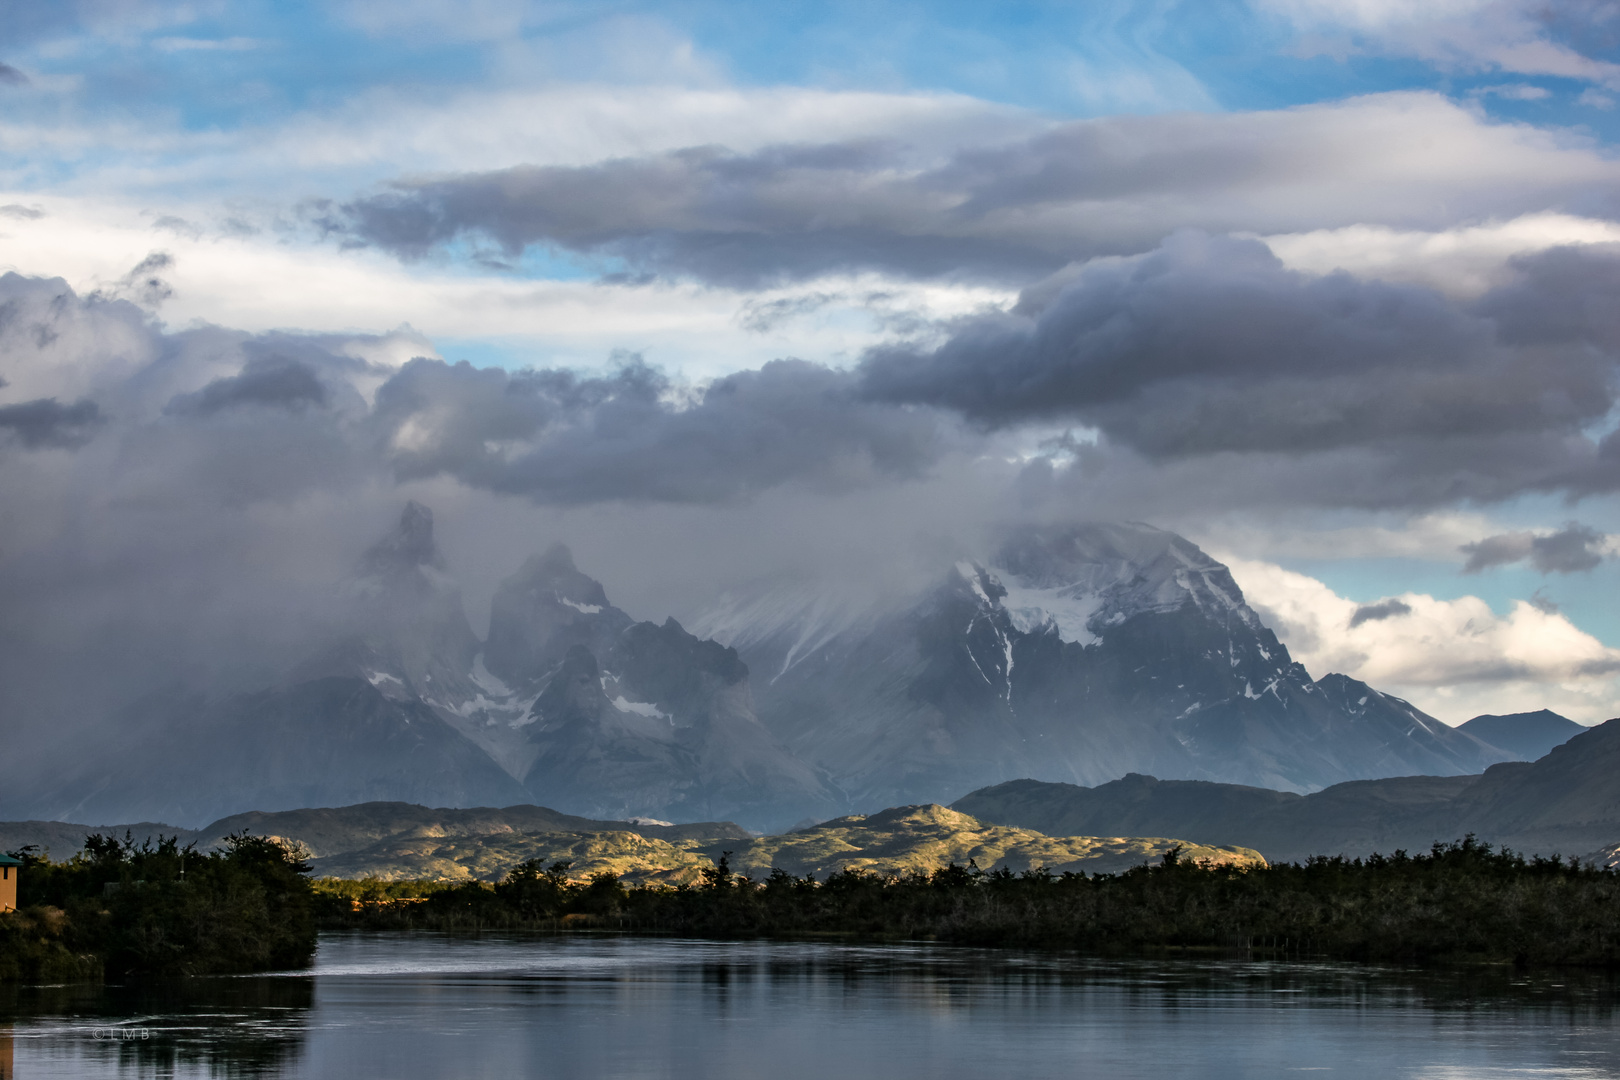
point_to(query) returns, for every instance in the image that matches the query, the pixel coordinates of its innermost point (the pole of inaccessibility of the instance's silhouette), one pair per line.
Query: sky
(716, 292)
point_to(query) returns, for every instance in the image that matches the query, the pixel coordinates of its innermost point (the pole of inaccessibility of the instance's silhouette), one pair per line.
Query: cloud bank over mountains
(704, 318)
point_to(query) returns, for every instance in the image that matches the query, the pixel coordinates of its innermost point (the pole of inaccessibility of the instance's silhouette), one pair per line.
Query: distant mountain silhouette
(1566, 802)
(1526, 735)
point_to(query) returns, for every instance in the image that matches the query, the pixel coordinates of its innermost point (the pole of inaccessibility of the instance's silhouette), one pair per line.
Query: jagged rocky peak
(542, 611)
(1081, 578)
(574, 694)
(408, 547)
(552, 577)
(408, 633)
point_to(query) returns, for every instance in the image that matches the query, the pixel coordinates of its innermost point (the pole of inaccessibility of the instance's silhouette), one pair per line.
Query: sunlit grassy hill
(926, 837)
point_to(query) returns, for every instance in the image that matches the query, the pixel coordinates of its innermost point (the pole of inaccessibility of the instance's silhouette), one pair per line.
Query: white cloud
(1464, 262)
(1453, 658)
(258, 282)
(1436, 537)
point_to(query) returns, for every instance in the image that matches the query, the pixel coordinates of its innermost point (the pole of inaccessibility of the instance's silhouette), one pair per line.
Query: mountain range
(1075, 653)
(1566, 802)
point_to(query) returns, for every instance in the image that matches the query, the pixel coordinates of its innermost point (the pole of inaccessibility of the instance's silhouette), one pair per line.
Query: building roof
(10, 860)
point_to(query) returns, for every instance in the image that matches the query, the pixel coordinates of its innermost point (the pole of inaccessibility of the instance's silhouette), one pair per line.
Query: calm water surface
(424, 1007)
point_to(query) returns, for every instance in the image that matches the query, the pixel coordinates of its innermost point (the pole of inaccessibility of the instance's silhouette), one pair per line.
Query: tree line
(1459, 902)
(121, 908)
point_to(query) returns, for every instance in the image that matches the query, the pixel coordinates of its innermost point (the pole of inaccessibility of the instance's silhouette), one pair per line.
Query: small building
(9, 865)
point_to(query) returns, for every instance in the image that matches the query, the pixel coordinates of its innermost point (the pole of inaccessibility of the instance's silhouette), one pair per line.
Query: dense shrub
(163, 908)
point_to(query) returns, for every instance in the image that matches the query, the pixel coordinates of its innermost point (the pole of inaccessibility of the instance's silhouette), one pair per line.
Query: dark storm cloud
(10, 76)
(1008, 212)
(273, 382)
(1384, 609)
(556, 437)
(1210, 346)
(48, 423)
(1572, 549)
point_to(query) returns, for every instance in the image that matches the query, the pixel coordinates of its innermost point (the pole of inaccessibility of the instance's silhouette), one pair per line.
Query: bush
(165, 909)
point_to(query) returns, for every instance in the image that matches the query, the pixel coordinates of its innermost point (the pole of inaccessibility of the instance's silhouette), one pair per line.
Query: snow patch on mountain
(1066, 610)
(640, 708)
(488, 682)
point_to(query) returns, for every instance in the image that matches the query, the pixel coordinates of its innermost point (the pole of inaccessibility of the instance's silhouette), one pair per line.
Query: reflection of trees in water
(946, 978)
(253, 1026)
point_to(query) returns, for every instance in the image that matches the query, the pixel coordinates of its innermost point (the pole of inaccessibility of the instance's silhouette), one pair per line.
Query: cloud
(273, 382)
(1497, 551)
(143, 284)
(25, 213)
(1572, 549)
(1210, 346)
(1463, 262)
(230, 477)
(1006, 211)
(1384, 609)
(10, 76)
(554, 436)
(266, 281)
(189, 44)
(788, 213)
(49, 423)
(1453, 658)
(1577, 547)
(1525, 37)
(270, 416)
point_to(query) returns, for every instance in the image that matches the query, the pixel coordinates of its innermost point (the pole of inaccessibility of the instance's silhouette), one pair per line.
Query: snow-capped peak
(1083, 578)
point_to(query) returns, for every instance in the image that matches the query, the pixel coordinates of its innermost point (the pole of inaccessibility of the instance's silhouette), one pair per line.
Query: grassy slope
(926, 837)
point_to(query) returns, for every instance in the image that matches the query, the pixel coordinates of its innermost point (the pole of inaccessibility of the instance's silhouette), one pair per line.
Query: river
(427, 1007)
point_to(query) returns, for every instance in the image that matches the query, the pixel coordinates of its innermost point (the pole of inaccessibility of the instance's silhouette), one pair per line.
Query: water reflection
(170, 1028)
(421, 1006)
